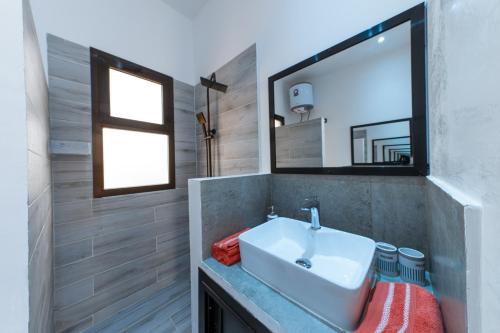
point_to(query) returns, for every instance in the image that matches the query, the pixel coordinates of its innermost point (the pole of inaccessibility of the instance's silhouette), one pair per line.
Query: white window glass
(134, 98)
(134, 159)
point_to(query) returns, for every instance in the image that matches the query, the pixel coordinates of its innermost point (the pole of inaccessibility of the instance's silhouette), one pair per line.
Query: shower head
(213, 84)
(201, 120)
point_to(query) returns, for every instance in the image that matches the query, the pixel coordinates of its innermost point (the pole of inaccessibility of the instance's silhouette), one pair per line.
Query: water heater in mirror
(301, 97)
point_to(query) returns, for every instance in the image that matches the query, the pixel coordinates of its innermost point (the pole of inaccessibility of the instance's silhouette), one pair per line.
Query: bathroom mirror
(358, 107)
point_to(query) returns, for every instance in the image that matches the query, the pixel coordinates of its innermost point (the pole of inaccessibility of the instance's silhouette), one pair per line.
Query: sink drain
(306, 263)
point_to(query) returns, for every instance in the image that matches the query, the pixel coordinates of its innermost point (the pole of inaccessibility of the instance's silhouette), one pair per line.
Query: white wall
(149, 33)
(464, 107)
(13, 173)
(286, 32)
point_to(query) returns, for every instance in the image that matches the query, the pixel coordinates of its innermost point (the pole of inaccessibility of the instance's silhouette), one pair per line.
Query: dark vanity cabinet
(220, 313)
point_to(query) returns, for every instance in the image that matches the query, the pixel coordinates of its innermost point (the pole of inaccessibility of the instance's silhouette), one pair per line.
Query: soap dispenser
(272, 215)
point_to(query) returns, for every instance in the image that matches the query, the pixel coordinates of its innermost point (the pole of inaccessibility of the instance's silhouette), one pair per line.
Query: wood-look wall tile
(37, 128)
(248, 148)
(72, 252)
(102, 225)
(72, 191)
(87, 267)
(175, 240)
(175, 269)
(121, 230)
(172, 211)
(38, 175)
(68, 316)
(76, 326)
(69, 90)
(157, 298)
(67, 50)
(182, 312)
(141, 200)
(70, 131)
(119, 238)
(40, 275)
(72, 211)
(157, 317)
(68, 70)
(61, 109)
(116, 313)
(71, 171)
(39, 215)
(109, 278)
(39, 227)
(73, 293)
(242, 116)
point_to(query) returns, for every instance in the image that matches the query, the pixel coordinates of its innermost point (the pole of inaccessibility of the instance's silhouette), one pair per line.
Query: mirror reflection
(352, 108)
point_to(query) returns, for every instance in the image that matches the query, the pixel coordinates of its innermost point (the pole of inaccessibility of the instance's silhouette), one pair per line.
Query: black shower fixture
(209, 132)
(201, 120)
(213, 84)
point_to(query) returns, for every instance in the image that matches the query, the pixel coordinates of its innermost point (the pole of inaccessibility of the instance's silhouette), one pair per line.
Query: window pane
(134, 98)
(134, 159)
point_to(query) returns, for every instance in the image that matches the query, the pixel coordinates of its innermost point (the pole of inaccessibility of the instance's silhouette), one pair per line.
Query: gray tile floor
(158, 314)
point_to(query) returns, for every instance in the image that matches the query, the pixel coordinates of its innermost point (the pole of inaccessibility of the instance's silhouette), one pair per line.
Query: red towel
(401, 307)
(227, 251)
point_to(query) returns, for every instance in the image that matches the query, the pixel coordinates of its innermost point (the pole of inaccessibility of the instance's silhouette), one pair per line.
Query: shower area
(205, 124)
(122, 262)
(226, 116)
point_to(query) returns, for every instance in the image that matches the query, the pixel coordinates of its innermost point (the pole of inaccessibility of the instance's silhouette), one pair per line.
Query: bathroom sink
(326, 271)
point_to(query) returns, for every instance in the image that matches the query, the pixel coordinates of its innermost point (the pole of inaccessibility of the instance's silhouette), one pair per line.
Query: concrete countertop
(271, 308)
(275, 311)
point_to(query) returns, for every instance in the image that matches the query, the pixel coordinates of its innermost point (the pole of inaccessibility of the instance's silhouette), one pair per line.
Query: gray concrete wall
(454, 229)
(389, 209)
(229, 205)
(110, 253)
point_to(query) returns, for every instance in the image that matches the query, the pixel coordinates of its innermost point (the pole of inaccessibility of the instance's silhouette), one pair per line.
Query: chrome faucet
(313, 209)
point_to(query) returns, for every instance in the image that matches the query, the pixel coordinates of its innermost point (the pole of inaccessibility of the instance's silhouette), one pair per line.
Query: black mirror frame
(420, 167)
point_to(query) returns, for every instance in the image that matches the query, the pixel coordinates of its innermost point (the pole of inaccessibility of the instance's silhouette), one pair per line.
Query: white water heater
(301, 97)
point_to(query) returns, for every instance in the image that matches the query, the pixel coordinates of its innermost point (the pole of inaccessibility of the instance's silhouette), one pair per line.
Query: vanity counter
(275, 311)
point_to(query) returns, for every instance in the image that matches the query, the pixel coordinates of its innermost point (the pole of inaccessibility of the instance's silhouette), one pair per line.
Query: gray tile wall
(39, 183)
(448, 258)
(229, 205)
(114, 252)
(235, 149)
(389, 209)
(300, 145)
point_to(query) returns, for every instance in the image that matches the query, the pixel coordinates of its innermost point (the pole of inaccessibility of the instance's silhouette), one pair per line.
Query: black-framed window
(132, 127)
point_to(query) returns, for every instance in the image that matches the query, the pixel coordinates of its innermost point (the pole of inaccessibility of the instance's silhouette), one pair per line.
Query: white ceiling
(188, 8)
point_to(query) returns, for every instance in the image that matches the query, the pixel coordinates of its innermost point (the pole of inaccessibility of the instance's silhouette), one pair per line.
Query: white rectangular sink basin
(334, 288)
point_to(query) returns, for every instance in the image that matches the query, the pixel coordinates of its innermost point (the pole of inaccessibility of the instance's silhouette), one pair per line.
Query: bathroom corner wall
(454, 241)
(219, 207)
(388, 209)
(235, 149)
(113, 252)
(40, 272)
